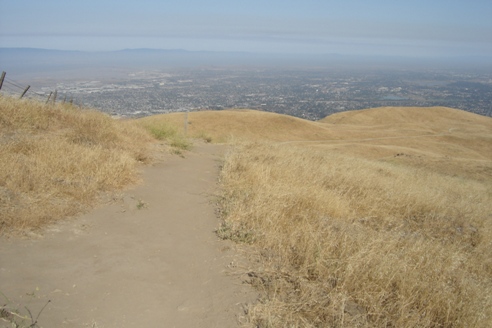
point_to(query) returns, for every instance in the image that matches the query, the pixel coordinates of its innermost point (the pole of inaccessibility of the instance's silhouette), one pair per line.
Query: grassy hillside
(372, 218)
(403, 115)
(342, 241)
(226, 125)
(440, 139)
(56, 160)
(387, 224)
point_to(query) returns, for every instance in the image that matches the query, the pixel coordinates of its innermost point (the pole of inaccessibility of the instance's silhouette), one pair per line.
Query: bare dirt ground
(149, 259)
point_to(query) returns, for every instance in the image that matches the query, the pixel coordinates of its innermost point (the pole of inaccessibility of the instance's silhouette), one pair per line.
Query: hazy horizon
(38, 62)
(373, 28)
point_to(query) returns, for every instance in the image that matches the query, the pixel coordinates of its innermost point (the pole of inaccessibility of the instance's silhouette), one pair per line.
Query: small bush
(162, 131)
(166, 132)
(203, 136)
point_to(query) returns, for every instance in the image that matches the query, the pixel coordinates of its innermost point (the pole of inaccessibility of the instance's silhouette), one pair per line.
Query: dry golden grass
(55, 160)
(375, 218)
(441, 139)
(162, 130)
(384, 225)
(222, 126)
(343, 241)
(438, 139)
(435, 116)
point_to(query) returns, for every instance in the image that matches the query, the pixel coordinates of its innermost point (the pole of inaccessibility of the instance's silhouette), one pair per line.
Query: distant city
(307, 92)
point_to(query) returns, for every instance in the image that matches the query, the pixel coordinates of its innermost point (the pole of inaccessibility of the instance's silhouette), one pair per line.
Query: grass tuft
(141, 204)
(203, 136)
(163, 131)
(17, 317)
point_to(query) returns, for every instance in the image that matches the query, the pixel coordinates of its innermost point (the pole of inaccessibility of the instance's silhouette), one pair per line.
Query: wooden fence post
(47, 101)
(54, 96)
(22, 95)
(1, 79)
(186, 124)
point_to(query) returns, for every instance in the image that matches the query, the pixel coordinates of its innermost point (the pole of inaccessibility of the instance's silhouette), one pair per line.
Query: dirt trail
(150, 259)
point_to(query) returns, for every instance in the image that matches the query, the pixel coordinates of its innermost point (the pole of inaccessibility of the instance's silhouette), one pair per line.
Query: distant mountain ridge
(23, 60)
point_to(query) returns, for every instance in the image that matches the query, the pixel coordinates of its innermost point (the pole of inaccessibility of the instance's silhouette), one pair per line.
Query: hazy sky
(368, 27)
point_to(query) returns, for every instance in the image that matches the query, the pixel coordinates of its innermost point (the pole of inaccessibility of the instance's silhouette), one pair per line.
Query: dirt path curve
(148, 260)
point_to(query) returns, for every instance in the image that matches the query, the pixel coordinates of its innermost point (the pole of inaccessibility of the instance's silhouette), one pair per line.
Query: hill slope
(373, 218)
(399, 115)
(451, 141)
(244, 124)
(387, 225)
(445, 140)
(56, 159)
(368, 123)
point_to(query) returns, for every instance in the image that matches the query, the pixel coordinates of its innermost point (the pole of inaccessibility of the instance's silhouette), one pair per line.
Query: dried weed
(55, 160)
(351, 242)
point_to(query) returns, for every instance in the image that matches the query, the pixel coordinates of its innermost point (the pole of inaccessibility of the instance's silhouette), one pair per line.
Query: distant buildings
(310, 94)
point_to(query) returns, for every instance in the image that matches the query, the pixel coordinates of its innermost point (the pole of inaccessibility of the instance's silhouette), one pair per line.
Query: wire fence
(14, 88)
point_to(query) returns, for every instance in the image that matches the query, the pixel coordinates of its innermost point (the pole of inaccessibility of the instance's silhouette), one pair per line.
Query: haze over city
(391, 28)
(303, 58)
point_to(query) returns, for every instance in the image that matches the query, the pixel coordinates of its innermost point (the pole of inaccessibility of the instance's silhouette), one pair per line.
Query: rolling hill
(244, 124)
(386, 222)
(446, 140)
(371, 218)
